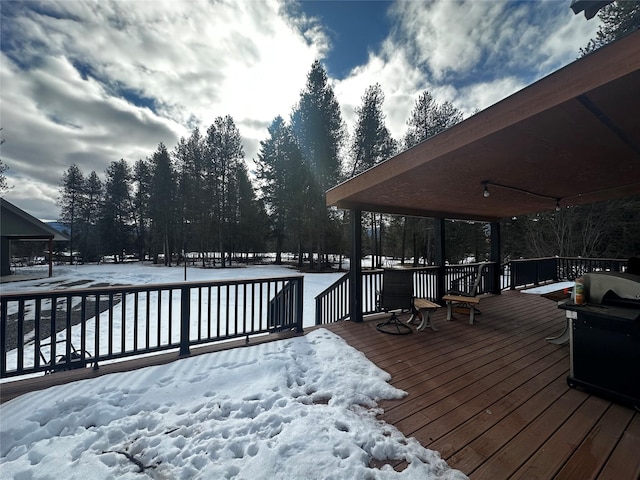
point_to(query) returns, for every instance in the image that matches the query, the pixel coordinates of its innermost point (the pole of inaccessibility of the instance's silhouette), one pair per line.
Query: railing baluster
(52, 332)
(136, 313)
(218, 300)
(110, 349)
(20, 338)
(200, 313)
(147, 320)
(123, 323)
(83, 328)
(97, 327)
(235, 309)
(159, 319)
(170, 337)
(36, 331)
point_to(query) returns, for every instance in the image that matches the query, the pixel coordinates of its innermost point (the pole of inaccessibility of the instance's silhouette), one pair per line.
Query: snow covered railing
(96, 324)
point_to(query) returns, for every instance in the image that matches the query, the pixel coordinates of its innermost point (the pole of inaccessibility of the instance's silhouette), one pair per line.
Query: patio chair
(62, 363)
(472, 288)
(465, 298)
(396, 294)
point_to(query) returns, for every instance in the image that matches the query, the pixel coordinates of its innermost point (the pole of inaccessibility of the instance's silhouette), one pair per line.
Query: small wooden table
(461, 300)
(424, 308)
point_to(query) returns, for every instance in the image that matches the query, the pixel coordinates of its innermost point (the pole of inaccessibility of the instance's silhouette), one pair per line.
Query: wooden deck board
(492, 397)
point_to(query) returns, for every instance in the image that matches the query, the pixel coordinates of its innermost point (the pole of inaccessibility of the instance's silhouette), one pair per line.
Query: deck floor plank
(591, 455)
(624, 462)
(493, 399)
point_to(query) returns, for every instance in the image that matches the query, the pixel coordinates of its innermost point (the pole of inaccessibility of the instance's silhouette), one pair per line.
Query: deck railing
(333, 305)
(98, 324)
(534, 271)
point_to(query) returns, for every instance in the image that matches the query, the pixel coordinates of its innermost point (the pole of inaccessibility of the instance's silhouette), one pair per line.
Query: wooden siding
(492, 398)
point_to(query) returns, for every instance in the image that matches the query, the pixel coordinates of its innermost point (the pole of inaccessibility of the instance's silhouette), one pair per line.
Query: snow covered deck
(492, 398)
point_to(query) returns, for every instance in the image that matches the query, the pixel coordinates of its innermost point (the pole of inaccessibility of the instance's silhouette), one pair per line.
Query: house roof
(570, 138)
(18, 224)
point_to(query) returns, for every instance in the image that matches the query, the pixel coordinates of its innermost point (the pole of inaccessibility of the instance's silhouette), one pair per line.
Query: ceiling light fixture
(485, 193)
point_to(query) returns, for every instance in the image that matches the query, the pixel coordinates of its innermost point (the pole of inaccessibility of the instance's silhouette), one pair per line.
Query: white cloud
(472, 54)
(66, 89)
(70, 71)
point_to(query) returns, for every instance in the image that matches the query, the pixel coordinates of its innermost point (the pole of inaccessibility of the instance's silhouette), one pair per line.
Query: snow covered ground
(303, 408)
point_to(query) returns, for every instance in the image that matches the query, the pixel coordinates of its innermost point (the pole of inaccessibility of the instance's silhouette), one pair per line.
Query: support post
(355, 268)
(496, 256)
(440, 256)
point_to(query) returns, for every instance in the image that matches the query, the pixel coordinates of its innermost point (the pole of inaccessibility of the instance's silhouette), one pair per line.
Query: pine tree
(163, 208)
(317, 125)
(117, 216)
(372, 143)
(250, 229)
(142, 185)
(618, 19)
(427, 119)
(70, 201)
(195, 194)
(4, 185)
(90, 242)
(224, 153)
(280, 169)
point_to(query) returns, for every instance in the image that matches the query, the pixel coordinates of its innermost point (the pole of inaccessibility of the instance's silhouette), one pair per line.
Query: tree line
(200, 196)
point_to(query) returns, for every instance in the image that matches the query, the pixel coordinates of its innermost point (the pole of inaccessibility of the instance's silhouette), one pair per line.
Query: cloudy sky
(93, 82)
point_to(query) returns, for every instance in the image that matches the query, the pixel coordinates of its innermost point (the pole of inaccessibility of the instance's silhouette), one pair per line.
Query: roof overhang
(571, 138)
(19, 225)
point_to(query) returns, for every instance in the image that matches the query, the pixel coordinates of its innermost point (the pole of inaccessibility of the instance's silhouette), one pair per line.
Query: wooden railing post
(185, 319)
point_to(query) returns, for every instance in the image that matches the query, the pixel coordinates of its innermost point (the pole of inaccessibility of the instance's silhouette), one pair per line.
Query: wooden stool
(424, 308)
(461, 301)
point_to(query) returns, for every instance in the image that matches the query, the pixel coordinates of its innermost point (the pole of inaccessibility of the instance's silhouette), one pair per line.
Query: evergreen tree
(618, 19)
(250, 229)
(163, 208)
(117, 215)
(427, 119)
(317, 125)
(372, 143)
(224, 153)
(281, 171)
(4, 186)
(142, 192)
(92, 205)
(70, 201)
(195, 194)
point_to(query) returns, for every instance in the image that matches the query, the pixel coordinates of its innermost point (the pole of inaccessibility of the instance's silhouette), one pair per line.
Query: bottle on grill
(579, 292)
